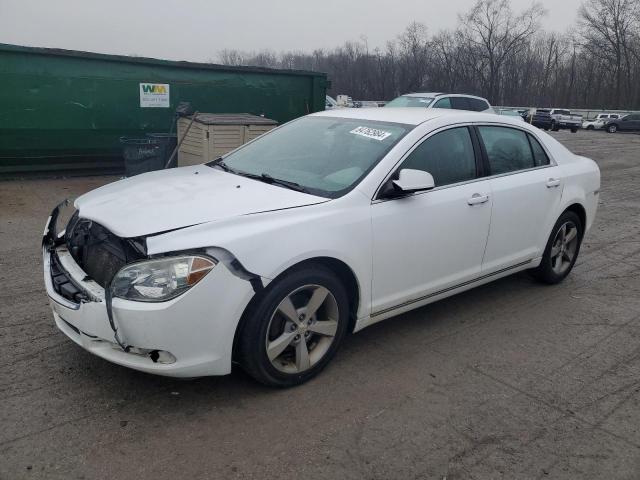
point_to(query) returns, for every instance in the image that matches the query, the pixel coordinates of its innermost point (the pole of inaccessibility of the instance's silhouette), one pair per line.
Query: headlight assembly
(162, 279)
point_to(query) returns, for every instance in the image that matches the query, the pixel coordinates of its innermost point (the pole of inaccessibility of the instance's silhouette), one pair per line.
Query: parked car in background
(627, 123)
(359, 215)
(556, 119)
(366, 104)
(442, 100)
(564, 119)
(599, 121)
(510, 113)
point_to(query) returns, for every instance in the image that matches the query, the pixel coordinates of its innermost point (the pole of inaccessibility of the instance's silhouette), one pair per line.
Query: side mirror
(409, 181)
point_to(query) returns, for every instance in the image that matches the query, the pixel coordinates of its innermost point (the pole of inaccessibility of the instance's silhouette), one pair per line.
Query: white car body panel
(401, 256)
(168, 199)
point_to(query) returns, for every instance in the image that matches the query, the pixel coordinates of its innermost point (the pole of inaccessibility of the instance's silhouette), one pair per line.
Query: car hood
(170, 199)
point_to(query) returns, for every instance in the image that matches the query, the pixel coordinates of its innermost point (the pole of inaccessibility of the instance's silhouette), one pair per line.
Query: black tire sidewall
(252, 345)
(545, 271)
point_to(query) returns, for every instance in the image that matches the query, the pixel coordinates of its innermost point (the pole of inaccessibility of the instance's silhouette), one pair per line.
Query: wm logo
(150, 88)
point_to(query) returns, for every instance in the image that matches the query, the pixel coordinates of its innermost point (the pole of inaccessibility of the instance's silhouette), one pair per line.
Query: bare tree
(492, 52)
(609, 28)
(492, 29)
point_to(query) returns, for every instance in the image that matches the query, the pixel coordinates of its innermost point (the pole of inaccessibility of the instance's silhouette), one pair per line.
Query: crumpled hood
(169, 199)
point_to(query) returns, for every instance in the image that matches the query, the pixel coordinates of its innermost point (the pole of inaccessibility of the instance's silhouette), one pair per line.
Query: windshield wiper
(219, 162)
(263, 177)
(284, 183)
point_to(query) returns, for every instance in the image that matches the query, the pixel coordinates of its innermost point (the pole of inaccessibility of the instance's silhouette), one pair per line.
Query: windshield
(406, 101)
(322, 155)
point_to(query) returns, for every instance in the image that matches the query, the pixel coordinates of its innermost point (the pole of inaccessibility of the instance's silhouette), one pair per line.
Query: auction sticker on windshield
(371, 133)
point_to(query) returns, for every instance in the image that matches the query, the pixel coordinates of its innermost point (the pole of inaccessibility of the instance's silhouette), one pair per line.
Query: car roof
(441, 94)
(423, 94)
(410, 116)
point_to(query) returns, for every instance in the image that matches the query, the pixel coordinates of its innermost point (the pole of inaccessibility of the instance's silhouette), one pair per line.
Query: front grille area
(63, 284)
(99, 252)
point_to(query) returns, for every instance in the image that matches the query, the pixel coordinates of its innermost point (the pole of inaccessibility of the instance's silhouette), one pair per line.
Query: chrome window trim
(552, 162)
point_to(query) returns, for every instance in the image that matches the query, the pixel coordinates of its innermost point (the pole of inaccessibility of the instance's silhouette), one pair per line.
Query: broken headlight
(160, 280)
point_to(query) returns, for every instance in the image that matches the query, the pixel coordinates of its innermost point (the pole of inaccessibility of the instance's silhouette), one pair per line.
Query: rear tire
(288, 337)
(612, 128)
(590, 127)
(561, 251)
(574, 130)
(554, 127)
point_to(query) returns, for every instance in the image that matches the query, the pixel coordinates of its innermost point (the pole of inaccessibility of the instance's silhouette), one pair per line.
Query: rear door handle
(553, 182)
(477, 199)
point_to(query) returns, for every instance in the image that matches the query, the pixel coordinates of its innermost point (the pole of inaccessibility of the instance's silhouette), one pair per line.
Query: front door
(430, 241)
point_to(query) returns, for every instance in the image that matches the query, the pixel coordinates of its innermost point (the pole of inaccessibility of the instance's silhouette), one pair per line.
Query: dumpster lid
(232, 119)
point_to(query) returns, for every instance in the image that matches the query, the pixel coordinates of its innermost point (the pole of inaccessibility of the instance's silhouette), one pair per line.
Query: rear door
(526, 187)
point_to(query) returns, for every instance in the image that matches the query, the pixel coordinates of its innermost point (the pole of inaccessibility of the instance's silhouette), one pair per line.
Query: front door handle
(553, 182)
(477, 199)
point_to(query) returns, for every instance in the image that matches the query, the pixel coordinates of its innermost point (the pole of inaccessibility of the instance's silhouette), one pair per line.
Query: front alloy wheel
(302, 329)
(294, 327)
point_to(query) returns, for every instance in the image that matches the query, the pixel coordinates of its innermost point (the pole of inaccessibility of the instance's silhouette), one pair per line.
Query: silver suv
(442, 100)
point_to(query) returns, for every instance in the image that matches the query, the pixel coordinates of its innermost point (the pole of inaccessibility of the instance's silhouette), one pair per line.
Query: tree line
(495, 52)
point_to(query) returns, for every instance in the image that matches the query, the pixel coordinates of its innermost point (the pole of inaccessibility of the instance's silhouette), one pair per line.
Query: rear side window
(539, 156)
(460, 103)
(478, 105)
(443, 103)
(448, 156)
(508, 149)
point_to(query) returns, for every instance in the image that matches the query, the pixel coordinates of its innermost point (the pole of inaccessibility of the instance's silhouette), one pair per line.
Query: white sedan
(332, 222)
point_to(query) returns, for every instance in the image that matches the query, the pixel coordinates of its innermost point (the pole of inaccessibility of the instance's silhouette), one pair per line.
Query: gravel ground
(510, 380)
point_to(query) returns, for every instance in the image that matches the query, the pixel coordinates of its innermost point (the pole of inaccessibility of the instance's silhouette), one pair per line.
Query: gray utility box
(214, 134)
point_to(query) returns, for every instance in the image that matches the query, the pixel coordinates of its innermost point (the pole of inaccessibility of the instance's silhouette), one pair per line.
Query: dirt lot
(510, 380)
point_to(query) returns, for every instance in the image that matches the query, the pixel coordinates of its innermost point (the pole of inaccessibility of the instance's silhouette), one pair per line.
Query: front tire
(562, 249)
(574, 130)
(554, 127)
(296, 327)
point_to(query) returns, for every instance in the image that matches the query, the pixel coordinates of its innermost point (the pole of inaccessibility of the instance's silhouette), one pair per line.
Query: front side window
(448, 156)
(325, 156)
(508, 149)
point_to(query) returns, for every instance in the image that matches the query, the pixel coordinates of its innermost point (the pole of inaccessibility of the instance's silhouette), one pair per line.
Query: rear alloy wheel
(613, 128)
(562, 249)
(296, 328)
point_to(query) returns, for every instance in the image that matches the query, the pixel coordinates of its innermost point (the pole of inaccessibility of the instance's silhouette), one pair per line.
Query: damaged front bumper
(188, 336)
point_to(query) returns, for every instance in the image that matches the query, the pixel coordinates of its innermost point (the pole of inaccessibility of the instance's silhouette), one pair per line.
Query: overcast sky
(197, 29)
